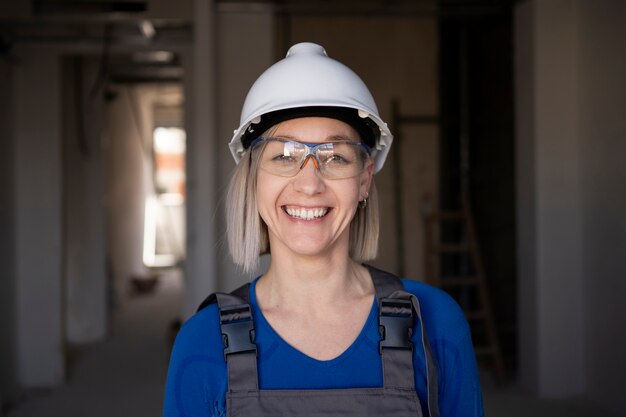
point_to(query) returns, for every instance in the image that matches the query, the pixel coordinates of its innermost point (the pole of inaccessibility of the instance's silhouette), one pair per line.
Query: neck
(300, 283)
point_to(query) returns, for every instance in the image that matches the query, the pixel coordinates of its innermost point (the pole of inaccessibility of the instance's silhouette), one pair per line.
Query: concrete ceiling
(153, 26)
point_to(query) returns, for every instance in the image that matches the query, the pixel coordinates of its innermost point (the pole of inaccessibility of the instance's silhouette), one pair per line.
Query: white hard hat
(309, 83)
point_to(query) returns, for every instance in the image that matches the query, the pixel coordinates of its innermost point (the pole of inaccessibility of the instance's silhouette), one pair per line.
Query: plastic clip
(237, 329)
(395, 324)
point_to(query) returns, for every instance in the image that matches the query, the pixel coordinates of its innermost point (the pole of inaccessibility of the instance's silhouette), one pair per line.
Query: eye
(279, 152)
(338, 154)
(338, 159)
(283, 158)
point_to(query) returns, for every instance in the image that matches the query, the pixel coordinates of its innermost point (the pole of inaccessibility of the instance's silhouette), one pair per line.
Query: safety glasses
(334, 160)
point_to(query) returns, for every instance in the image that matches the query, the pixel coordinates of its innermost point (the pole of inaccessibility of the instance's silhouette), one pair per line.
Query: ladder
(452, 234)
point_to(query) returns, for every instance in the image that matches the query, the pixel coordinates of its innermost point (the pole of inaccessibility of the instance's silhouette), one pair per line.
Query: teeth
(307, 214)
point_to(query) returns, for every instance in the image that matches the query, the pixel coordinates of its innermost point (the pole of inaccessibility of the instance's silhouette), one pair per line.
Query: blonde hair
(247, 232)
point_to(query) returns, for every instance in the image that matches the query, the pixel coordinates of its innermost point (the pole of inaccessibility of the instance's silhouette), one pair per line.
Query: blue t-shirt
(197, 379)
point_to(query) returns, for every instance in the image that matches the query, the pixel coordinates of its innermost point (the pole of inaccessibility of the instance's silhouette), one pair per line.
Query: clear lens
(335, 160)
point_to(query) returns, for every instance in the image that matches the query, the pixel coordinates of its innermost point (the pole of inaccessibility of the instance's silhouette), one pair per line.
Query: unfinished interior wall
(36, 234)
(528, 315)
(602, 132)
(38, 191)
(84, 264)
(133, 112)
(57, 222)
(571, 97)
(128, 167)
(200, 125)
(397, 59)
(553, 199)
(8, 349)
(169, 226)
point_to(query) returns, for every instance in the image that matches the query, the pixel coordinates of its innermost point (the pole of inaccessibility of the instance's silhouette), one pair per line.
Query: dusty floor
(124, 376)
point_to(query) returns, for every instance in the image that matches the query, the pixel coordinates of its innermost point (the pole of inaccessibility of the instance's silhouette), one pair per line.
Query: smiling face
(306, 214)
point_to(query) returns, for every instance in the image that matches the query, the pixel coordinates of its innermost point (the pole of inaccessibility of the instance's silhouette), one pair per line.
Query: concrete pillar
(603, 138)
(128, 176)
(38, 226)
(8, 349)
(551, 304)
(83, 188)
(200, 90)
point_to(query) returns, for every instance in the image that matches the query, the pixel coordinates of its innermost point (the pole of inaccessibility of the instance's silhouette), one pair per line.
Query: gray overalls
(398, 310)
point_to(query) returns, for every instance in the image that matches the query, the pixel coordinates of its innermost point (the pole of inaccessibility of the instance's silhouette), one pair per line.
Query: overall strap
(398, 311)
(237, 327)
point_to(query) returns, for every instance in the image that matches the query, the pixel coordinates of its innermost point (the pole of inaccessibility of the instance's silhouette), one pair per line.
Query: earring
(363, 204)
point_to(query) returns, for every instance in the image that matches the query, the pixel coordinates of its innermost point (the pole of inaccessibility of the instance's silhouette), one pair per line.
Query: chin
(308, 249)
(312, 247)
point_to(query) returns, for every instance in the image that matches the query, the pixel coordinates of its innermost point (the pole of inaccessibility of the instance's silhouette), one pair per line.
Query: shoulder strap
(237, 327)
(242, 292)
(397, 312)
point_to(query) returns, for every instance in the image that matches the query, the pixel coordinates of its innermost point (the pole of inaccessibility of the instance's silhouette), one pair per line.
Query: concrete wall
(128, 155)
(557, 198)
(602, 133)
(525, 192)
(128, 166)
(55, 223)
(551, 276)
(8, 349)
(571, 98)
(200, 125)
(156, 9)
(38, 186)
(84, 263)
(56, 281)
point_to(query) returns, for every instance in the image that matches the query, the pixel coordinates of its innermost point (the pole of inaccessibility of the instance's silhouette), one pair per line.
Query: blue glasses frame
(311, 148)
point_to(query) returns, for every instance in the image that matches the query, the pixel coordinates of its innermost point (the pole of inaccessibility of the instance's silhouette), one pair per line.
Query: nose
(308, 179)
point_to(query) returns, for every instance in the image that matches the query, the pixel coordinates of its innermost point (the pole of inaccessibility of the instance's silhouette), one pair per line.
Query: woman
(319, 333)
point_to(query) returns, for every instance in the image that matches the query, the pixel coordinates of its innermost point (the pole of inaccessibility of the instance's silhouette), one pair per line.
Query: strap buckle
(237, 329)
(395, 324)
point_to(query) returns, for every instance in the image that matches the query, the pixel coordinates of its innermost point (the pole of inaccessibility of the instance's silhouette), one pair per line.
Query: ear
(365, 180)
